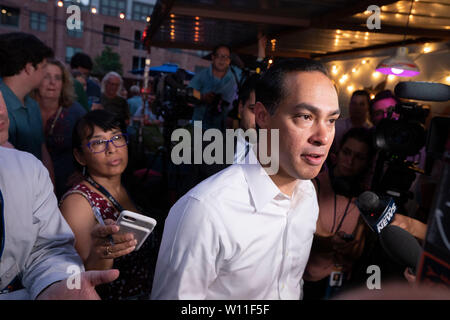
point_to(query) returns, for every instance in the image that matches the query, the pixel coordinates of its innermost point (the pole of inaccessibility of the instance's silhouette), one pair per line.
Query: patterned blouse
(136, 268)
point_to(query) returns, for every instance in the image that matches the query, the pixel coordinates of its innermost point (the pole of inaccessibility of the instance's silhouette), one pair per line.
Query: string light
(334, 69)
(391, 77)
(376, 74)
(350, 88)
(343, 78)
(426, 49)
(60, 4)
(94, 10)
(148, 18)
(122, 15)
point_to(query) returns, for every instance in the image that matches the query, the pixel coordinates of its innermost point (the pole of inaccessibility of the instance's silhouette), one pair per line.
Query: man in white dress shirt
(242, 234)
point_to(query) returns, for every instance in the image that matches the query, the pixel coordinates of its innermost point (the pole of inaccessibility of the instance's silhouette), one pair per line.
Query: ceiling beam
(349, 10)
(237, 15)
(385, 28)
(375, 47)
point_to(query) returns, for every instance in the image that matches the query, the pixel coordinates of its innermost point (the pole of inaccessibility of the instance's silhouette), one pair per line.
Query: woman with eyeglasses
(101, 154)
(59, 111)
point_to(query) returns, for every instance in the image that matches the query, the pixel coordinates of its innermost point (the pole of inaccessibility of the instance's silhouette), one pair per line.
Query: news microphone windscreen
(401, 246)
(368, 201)
(420, 90)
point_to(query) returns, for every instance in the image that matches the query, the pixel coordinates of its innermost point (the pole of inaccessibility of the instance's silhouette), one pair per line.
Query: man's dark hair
(247, 87)
(17, 49)
(363, 93)
(214, 51)
(380, 96)
(362, 135)
(270, 89)
(81, 59)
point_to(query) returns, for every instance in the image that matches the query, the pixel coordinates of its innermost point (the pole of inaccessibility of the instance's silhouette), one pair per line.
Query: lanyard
(115, 203)
(54, 121)
(343, 217)
(2, 226)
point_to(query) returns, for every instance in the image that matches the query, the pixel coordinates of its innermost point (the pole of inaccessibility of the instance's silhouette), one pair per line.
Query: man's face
(112, 86)
(305, 118)
(380, 109)
(84, 71)
(359, 108)
(4, 121)
(38, 74)
(221, 59)
(352, 158)
(247, 112)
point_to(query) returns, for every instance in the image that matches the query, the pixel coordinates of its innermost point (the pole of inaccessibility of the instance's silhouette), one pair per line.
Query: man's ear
(29, 68)
(79, 157)
(262, 116)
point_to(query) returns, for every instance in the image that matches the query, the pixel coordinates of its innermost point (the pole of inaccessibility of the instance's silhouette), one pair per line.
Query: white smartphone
(141, 226)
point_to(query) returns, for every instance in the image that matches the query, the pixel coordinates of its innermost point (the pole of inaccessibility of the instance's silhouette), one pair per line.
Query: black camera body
(405, 136)
(398, 139)
(173, 97)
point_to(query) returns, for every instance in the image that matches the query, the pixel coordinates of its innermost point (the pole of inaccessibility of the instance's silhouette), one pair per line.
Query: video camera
(398, 139)
(174, 97)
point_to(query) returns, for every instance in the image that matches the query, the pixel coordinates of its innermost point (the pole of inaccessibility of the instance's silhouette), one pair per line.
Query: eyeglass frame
(221, 56)
(125, 135)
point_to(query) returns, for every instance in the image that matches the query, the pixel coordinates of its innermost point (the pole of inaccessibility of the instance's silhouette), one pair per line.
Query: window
(138, 62)
(70, 51)
(83, 4)
(112, 7)
(141, 11)
(9, 16)
(138, 40)
(111, 35)
(76, 33)
(38, 21)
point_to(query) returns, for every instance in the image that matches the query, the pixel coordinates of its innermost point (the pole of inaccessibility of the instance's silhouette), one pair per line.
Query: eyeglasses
(222, 56)
(97, 146)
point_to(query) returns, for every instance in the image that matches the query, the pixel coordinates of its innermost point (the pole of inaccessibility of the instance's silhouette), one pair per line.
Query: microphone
(378, 213)
(401, 246)
(420, 90)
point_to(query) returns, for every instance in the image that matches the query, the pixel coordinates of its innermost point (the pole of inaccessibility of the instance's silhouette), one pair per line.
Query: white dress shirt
(237, 236)
(39, 244)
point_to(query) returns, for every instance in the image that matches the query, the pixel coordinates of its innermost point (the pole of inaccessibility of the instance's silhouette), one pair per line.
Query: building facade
(117, 24)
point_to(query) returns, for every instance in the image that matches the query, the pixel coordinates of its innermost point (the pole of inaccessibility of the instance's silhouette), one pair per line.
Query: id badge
(336, 277)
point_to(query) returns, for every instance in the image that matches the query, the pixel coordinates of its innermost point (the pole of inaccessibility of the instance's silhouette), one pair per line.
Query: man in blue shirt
(217, 83)
(24, 59)
(135, 102)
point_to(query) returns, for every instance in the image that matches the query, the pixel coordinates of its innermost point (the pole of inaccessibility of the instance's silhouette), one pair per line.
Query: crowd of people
(235, 231)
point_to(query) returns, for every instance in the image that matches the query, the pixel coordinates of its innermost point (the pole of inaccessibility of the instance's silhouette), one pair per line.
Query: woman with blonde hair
(59, 111)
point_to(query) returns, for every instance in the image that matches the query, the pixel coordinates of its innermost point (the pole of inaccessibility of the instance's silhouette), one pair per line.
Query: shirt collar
(263, 189)
(13, 101)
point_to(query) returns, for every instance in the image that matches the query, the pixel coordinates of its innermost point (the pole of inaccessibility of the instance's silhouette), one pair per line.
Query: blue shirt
(134, 103)
(204, 81)
(26, 132)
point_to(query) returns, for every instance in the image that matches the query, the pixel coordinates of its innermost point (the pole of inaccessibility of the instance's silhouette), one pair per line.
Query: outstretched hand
(86, 291)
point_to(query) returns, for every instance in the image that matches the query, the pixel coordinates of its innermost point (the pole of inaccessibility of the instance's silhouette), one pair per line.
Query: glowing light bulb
(397, 70)
(391, 77)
